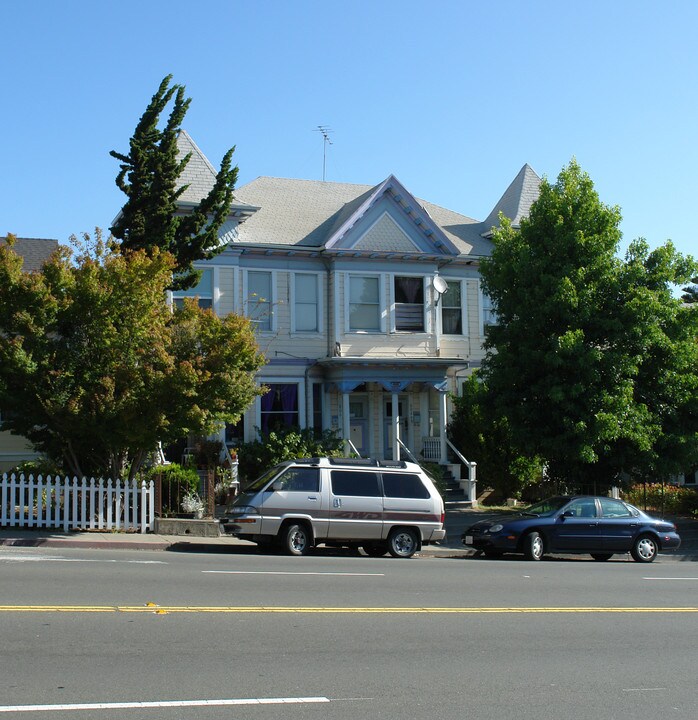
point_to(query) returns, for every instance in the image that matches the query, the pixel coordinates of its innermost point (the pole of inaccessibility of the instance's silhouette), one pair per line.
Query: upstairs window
(305, 304)
(489, 316)
(409, 304)
(452, 309)
(364, 303)
(259, 299)
(203, 291)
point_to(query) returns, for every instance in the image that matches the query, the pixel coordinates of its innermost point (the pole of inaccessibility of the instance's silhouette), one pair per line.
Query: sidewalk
(457, 520)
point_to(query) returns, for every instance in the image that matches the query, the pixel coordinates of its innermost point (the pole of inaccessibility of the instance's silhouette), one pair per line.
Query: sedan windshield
(547, 507)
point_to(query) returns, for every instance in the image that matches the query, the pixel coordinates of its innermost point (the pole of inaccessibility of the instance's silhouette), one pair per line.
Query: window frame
(177, 296)
(294, 302)
(380, 304)
(463, 308)
(272, 301)
(394, 304)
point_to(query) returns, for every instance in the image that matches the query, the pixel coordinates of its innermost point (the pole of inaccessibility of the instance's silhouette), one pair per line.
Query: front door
(358, 424)
(388, 426)
(356, 505)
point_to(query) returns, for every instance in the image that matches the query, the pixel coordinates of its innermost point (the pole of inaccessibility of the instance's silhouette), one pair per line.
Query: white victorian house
(367, 303)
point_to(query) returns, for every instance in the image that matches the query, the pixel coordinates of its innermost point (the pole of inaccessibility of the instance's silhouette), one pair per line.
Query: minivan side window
(404, 485)
(355, 482)
(300, 479)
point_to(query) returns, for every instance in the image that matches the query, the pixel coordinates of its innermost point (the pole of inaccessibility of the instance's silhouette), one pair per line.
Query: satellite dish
(440, 285)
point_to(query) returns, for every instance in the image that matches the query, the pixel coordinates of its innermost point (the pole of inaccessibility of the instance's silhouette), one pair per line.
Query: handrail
(352, 446)
(457, 452)
(408, 451)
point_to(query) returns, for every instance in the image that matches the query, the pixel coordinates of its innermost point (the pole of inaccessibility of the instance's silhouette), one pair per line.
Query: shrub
(177, 482)
(41, 466)
(675, 499)
(258, 456)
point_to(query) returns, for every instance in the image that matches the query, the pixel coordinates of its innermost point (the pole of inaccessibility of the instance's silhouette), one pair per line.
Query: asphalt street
(121, 634)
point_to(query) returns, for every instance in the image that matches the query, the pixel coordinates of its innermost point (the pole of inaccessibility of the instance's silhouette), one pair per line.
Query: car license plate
(468, 539)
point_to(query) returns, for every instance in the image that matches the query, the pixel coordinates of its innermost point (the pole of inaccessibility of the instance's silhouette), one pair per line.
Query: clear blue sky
(451, 96)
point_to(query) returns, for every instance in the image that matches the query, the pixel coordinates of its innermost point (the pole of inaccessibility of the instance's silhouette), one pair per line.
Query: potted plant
(193, 505)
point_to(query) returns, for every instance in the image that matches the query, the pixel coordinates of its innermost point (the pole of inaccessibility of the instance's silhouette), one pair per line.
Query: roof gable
(34, 251)
(390, 215)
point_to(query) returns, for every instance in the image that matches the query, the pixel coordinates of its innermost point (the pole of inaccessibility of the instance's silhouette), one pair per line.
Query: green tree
(481, 435)
(95, 368)
(570, 362)
(150, 177)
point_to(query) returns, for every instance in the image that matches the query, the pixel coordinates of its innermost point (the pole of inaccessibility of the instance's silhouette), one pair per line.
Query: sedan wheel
(533, 546)
(645, 549)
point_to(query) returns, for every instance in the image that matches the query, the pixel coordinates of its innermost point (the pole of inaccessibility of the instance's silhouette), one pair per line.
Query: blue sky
(452, 97)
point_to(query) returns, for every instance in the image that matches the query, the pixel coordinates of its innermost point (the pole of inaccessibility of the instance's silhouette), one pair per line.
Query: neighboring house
(35, 251)
(367, 303)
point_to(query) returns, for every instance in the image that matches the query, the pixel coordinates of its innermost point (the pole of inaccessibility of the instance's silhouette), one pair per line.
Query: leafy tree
(149, 176)
(285, 444)
(95, 368)
(572, 362)
(486, 437)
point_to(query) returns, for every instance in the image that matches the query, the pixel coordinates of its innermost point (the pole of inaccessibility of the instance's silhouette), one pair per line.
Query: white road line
(280, 572)
(670, 578)
(49, 558)
(162, 704)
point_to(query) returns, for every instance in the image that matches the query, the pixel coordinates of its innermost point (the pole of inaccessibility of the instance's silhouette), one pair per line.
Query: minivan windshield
(262, 480)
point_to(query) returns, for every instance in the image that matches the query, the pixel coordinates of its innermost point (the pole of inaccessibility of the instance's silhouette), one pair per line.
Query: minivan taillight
(443, 518)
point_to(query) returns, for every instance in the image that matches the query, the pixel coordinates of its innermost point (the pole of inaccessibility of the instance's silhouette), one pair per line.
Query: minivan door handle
(337, 502)
(312, 497)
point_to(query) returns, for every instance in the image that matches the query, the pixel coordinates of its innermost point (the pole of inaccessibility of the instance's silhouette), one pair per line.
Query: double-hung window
(306, 315)
(279, 407)
(203, 291)
(409, 304)
(364, 303)
(452, 309)
(259, 298)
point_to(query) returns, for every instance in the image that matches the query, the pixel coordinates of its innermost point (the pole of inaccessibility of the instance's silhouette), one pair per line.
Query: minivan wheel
(296, 539)
(533, 546)
(645, 549)
(375, 549)
(403, 543)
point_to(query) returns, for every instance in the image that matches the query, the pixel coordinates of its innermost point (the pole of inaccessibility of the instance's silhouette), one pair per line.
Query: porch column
(443, 416)
(395, 420)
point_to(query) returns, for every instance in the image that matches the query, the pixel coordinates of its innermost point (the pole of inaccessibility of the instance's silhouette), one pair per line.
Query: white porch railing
(76, 504)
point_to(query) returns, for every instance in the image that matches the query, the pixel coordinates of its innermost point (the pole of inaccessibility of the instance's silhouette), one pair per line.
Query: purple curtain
(412, 287)
(289, 404)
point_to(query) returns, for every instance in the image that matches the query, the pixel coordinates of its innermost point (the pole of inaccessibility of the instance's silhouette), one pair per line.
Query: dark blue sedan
(600, 526)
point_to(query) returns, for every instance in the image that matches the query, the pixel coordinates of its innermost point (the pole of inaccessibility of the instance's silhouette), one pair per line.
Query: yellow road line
(161, 609)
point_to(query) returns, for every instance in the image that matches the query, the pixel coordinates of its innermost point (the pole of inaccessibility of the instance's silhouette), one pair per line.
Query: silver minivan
(382, 506)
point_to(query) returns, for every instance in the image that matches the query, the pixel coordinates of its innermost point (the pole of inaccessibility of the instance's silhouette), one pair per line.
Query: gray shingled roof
(517, 199)
(307, 212)
(35, 251)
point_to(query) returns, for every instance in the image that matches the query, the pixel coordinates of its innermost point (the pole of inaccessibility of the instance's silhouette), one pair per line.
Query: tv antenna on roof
(325, 142)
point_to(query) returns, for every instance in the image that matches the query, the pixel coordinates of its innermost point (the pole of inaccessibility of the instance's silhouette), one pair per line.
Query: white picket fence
(76, 504)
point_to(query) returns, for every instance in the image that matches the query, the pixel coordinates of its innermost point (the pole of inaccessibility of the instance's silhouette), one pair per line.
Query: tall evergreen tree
(150, 177)
(690, 292)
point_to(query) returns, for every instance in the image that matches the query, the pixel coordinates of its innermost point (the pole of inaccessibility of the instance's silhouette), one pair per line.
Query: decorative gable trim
(392, 188)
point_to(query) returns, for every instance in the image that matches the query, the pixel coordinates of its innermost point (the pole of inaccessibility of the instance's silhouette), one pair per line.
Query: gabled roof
(517, 199)
(35, 251)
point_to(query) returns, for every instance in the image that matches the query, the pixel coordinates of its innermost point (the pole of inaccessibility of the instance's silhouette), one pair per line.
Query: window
(300, 480)
(356, 483)
(404, 485)
(259, 296)
(305, 304)
(279, 407)
(582, 508)
(452, 309)
(612, 508)
(409, 304)
(203, 291)
(489, 316)
(364, 303)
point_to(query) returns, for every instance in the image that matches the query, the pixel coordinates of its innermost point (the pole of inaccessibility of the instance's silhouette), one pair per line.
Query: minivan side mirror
(275, 486)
